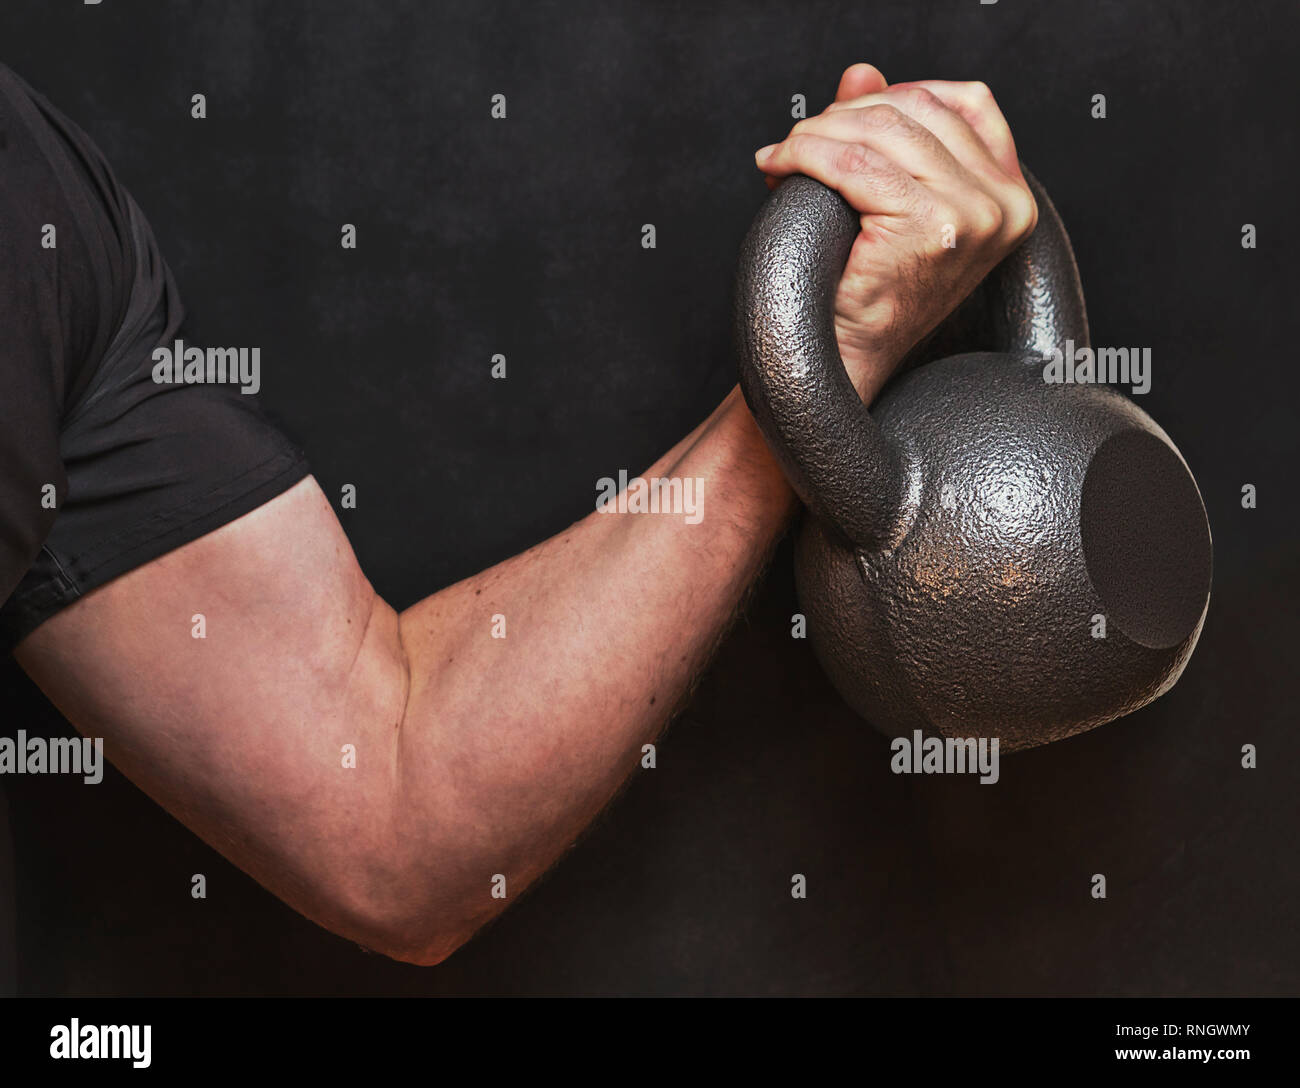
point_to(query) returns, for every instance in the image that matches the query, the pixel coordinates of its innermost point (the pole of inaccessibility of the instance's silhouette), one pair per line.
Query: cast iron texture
(960, 544)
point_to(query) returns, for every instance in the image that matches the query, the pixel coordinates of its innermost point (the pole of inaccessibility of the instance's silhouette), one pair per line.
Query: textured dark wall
(522, 237)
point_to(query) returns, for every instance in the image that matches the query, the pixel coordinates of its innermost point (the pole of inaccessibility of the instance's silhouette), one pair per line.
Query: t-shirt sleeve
(61, 275)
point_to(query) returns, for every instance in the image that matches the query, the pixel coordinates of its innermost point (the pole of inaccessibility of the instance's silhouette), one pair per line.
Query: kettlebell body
(985, 553)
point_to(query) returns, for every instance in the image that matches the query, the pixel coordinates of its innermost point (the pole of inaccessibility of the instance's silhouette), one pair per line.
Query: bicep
(228, 679)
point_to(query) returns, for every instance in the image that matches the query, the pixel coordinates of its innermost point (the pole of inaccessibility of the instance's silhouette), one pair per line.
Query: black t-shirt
(66, 271)
(103, 467)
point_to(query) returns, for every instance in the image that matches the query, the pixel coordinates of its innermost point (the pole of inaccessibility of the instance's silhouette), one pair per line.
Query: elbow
(409, 940)
(408, 900)
(412, 928)
(428, 952)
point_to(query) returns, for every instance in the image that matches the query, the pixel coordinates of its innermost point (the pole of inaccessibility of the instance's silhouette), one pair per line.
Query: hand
(932, 169)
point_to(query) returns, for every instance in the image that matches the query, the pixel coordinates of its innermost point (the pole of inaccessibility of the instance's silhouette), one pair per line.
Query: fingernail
(763, 152)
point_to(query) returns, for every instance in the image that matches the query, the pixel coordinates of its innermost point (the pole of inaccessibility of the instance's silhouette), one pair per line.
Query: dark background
(523, 237)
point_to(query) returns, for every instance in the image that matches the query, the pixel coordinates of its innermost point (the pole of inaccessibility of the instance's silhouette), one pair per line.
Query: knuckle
(881, 117)
(978, 217)
(1030, 223)
(853, 159)
(987, 216)
(798, 144)
(1021, 214)
(978, 92)
(925, 101)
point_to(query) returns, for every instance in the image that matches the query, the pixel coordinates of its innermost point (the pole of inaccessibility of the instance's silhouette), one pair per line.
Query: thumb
(860, 79)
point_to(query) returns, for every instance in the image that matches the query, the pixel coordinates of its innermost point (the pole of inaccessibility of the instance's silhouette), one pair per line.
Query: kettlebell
(984, 553)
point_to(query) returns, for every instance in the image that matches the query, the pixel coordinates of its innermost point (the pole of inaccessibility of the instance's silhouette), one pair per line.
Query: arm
(475, 755)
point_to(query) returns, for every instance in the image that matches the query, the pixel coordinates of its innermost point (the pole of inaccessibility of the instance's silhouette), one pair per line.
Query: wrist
(753, 460)
(868, 361)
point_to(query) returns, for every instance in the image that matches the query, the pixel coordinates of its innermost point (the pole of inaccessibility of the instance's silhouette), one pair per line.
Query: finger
(974, 104)
(952, 129)
(857, 80)
(870, 181)
(884, 127)
(974, 101)
(860, 79)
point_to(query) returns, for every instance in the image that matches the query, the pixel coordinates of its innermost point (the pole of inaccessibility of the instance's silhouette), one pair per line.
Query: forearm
(509, 746)
(376, 771)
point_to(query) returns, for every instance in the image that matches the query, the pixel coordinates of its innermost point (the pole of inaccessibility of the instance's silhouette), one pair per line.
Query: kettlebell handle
(793, 377)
